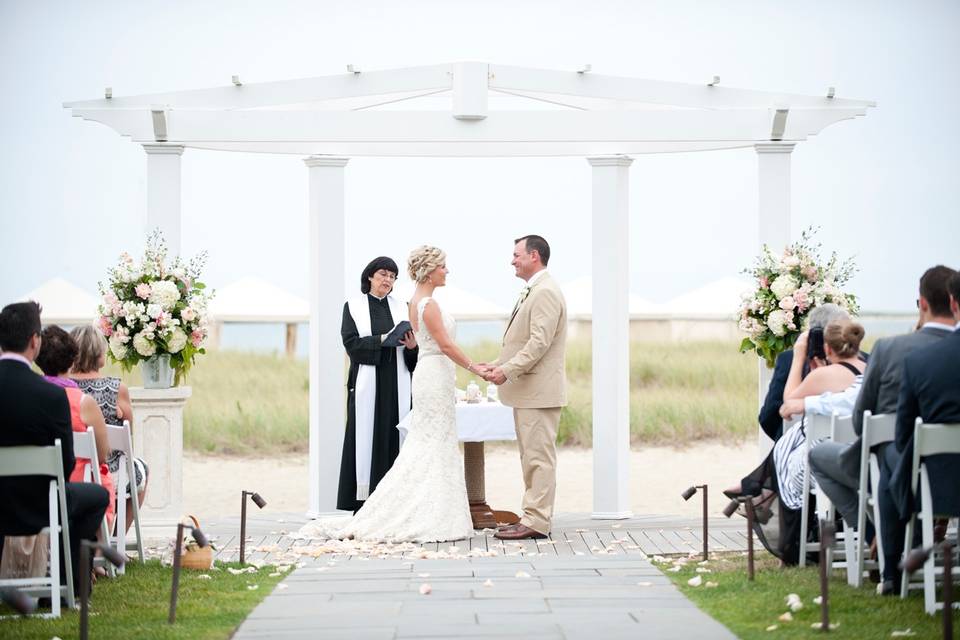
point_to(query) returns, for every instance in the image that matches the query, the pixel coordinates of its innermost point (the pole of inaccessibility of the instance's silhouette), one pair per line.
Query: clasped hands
(491, 373)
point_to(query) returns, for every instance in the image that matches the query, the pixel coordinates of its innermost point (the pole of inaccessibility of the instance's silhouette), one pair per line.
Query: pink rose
(764, 283)
(188, 314)
(810, 273)
(787, 304)
(106, 328)
(196, 337)
(802, 300)
(143, 290)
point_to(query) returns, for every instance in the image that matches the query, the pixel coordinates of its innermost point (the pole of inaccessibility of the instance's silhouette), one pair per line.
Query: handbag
(195, 556)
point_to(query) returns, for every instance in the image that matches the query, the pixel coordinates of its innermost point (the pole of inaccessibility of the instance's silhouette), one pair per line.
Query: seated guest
(842, 371)
(770, 419)
(929, 389)
(835, 466)
(56, 356)
(36, 413)
(111, 395)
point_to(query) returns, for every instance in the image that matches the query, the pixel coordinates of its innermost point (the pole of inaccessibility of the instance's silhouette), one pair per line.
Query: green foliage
(135, 605)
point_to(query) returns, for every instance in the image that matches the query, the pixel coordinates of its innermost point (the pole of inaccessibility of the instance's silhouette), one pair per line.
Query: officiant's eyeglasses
(386, 275)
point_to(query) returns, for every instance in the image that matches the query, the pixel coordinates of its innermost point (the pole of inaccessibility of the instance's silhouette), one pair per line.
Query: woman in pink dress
(57, 353)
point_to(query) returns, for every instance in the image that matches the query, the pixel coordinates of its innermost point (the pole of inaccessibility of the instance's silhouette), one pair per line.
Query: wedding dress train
(423, 498)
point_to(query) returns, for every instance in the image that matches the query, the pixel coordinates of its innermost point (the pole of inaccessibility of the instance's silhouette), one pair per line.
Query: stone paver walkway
(592, 580)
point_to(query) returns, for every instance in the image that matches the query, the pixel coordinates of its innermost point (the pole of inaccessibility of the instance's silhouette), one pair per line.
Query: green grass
(135, 606)
(679, 392)
(748, 608)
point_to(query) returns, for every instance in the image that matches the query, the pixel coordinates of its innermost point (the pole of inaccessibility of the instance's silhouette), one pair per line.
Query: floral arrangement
(788, 286)
(152, 309)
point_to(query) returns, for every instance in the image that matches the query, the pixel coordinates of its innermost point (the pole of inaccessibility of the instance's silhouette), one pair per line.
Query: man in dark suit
(929, 389)
(769, 418)
(837, 466)
(35, 412)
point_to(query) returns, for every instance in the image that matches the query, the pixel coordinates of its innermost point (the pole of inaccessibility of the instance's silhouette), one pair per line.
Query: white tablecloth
(477, 422)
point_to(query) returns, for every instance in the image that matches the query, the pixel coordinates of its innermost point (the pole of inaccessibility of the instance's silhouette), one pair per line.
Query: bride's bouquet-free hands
(491, 373)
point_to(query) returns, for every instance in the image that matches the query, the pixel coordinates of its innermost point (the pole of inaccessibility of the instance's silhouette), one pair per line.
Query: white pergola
(604, 119)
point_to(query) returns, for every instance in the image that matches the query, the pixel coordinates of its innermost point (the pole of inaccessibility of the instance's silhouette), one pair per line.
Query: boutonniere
(524, 293)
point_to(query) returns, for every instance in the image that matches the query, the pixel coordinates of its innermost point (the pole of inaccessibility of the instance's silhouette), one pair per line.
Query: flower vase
(157, 372)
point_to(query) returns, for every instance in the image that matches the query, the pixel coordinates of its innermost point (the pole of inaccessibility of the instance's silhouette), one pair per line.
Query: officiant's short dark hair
(19, 322)
(383, 262)
(933, 288)
(538, 244)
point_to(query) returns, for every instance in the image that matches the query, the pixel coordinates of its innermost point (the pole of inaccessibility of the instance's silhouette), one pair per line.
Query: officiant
(378, 385)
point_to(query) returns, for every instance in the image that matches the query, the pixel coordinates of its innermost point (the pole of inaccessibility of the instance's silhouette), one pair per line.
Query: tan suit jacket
(533, 356)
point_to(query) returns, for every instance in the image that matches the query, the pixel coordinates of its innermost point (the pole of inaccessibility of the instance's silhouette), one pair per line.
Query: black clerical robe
(386, 438)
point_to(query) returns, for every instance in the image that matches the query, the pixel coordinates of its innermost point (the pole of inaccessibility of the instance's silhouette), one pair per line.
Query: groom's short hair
(538, 244)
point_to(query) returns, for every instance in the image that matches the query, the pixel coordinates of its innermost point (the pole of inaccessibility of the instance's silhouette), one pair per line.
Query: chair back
(119, 439)
(931, 440)
(817, 427)
(32, 461)
(878, 429)
(842, 429)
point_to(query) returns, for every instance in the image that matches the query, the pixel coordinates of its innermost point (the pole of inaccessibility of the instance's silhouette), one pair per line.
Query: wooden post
(291, 339)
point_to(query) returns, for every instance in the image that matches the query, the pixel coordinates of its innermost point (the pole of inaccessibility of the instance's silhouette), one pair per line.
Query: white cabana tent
(463, 305)
(64, 303)
(255, 300)
(601, 118)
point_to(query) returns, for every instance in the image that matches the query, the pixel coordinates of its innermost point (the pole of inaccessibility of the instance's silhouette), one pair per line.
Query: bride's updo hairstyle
(844, 338)
(423, 260)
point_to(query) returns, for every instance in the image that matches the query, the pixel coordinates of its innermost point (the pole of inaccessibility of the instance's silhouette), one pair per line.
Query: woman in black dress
(378, 386)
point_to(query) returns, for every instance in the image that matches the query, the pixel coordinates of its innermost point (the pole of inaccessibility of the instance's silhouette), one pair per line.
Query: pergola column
(163, 192)
(773, 182)
(327, 400)
(611, 338)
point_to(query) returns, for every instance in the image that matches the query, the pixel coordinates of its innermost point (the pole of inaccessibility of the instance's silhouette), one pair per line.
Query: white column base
(158, 439)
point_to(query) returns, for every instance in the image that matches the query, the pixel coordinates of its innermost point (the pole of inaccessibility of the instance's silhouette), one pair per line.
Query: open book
(393, 338)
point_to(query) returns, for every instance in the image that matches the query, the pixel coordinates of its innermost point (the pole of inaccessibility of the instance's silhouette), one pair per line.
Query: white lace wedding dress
(423, 498)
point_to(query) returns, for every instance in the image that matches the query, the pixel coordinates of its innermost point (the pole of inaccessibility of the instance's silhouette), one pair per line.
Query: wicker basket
(196, 557)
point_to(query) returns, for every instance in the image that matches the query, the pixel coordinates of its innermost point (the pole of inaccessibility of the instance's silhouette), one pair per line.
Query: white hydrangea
(177, 340)
(144, 345)
(784, 286)
(154, 310)
(777, 321)
(164, 293)
(117, 346)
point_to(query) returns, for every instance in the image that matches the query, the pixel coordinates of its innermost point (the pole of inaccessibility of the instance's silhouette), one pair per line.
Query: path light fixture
(729, 510)
(714, 82)
(689, 494)
(261, 503)
(18, 601)
(113, 556)
(917, 558)
(178, 545)
(827, 537)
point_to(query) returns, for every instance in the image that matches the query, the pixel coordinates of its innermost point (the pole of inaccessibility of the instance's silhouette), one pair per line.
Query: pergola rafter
(602, 118)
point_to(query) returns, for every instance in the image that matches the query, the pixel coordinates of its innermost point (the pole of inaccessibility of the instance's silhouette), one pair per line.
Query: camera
(815, 344)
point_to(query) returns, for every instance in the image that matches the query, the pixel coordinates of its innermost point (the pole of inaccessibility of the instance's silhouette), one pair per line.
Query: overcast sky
(883, 188)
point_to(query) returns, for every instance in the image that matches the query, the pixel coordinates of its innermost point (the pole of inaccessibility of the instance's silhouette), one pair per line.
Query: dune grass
(679, 393)
(749, 608)
(136, 605)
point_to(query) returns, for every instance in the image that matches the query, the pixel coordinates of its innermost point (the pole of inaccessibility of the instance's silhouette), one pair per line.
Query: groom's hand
(496, 376)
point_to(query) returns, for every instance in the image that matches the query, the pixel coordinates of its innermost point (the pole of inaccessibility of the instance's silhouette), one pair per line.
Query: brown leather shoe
(519, 532)
(482, 516)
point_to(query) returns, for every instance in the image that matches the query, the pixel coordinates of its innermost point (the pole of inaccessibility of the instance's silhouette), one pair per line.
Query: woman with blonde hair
(423, 498)
(111, 395)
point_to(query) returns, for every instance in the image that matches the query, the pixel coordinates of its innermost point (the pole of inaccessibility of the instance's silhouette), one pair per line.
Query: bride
(423, 498)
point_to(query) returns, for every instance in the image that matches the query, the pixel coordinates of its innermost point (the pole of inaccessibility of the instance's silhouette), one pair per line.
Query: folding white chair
(120, 440)
(928, 440)
(44, 461)
(841, 432)
(85, 446)
(816, 427)
(877, 430)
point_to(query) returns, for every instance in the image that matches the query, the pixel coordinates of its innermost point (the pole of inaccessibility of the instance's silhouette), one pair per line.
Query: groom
(531, 376)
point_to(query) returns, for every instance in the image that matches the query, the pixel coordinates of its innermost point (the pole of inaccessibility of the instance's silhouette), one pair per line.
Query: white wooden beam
(611, 338)
(164, 192)
(327, 399)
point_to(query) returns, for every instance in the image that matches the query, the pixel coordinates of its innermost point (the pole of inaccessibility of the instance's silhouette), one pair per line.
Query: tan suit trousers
(537, 440)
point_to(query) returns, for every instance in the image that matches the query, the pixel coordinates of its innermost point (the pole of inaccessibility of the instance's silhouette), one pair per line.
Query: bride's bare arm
(434, 323)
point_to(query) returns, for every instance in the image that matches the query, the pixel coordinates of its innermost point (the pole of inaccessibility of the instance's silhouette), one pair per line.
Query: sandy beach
(657, 477)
